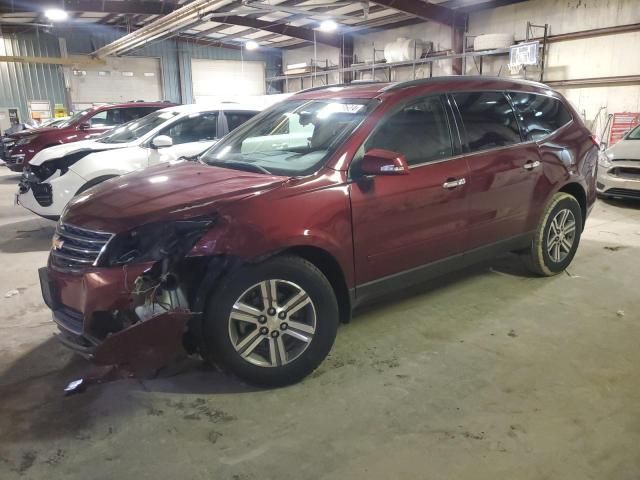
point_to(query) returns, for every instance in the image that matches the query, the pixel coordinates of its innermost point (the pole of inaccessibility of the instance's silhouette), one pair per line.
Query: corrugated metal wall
(20, 83)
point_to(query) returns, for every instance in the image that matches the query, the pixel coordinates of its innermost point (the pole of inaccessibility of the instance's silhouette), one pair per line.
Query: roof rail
(340, 85)
(458, 78)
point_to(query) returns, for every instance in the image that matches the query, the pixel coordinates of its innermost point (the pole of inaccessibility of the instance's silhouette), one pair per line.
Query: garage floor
(485, 374)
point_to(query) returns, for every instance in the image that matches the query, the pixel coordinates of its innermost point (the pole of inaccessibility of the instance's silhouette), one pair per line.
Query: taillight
(595, 141)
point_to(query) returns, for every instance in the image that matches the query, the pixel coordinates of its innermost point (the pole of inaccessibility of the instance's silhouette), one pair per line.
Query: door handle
(454, 183)
(531, 164)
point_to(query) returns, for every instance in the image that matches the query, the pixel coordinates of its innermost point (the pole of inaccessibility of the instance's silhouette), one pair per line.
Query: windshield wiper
(241, 166)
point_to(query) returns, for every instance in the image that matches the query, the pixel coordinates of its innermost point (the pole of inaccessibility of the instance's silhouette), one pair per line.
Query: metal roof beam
(283, 29)
(104, 6)
(426, 11)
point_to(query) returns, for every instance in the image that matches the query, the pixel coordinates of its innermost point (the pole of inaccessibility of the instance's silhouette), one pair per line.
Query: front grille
(623, 192)
(77, 248)
(626, 172)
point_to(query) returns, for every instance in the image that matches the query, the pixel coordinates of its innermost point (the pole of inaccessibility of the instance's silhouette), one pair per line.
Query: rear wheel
(557, 237)
(272, 323)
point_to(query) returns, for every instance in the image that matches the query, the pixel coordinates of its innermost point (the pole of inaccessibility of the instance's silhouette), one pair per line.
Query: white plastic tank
(403, 49)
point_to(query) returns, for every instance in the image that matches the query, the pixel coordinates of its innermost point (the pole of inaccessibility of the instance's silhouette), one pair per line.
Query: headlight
(154, 241)
(25, 140)
(603, 160)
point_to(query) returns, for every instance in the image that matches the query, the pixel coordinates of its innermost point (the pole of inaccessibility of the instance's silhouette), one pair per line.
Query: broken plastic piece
(146, 346)
(77, 386)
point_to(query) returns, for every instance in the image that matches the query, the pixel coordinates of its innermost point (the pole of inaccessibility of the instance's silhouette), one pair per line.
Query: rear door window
(134, 113)
(539, 115)
(419, 131)
(235, 119)
(103, 119)
(489, 121)
(197, 127)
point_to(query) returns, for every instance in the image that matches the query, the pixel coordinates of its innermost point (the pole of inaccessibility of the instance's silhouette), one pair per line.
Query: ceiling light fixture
(251, 45)
(328, 26)
(56, 14)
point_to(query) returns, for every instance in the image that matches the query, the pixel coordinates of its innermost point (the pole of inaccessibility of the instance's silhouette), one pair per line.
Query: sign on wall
(621, 124)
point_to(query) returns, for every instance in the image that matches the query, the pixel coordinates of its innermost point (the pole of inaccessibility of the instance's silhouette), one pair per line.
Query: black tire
(538, 259)
(94, 182)
(218, 346)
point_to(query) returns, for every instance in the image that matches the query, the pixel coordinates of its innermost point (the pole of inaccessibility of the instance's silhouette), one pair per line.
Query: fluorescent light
(56, 14)
(251, 45)
(328, 25)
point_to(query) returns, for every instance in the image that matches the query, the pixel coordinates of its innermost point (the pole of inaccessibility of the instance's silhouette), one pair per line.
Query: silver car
(619, 168)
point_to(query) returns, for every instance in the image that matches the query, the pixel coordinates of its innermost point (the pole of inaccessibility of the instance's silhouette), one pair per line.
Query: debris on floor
(620, 313)
(613, 248)
(512, 333)
(11, 293)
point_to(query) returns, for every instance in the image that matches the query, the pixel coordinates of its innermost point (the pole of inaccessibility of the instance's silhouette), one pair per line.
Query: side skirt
(423, 273)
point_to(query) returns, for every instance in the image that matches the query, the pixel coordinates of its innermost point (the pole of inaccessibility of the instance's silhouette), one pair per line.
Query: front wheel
(272, 323)
(557, 237)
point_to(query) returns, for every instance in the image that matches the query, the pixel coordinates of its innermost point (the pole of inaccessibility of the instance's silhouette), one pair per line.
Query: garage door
(119, 80)
(220, 80)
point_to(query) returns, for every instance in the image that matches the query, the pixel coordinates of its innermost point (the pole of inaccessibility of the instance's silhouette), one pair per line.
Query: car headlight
(603, 160)
(25, 140)
(154, 242)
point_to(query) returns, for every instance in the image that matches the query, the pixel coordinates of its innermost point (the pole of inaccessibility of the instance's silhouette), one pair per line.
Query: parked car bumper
(621, 180)
(15, 162)
(49, 198)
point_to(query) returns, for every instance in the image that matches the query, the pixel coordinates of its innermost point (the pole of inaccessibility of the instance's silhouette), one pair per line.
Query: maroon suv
(85, 124)
(255, 252)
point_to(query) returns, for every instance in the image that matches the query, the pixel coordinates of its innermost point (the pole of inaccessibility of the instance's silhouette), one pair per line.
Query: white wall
(605, 56)
(439, 35)
(305, 54)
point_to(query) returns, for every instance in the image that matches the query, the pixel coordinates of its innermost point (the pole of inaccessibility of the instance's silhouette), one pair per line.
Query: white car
(619, 168)
(57, 174)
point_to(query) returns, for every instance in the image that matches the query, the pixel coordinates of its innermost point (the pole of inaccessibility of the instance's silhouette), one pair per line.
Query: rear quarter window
(539, 115)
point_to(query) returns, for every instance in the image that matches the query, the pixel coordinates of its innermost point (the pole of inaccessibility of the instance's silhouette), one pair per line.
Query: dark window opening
(488, 120)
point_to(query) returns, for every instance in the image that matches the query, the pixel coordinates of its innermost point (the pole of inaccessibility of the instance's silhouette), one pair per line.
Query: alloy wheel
(561, 236)
(272, 323)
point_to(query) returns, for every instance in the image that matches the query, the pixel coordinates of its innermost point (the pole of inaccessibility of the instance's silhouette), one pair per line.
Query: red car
(88, 123)
(257, 250)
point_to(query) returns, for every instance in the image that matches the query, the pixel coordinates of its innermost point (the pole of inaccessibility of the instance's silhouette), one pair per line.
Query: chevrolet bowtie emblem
(57, 242)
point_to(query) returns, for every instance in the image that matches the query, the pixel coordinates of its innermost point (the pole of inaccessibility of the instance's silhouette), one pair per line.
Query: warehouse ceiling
(273, 23)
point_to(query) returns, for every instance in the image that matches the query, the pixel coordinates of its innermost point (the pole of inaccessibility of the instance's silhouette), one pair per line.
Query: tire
(235, 343)
(549, 253)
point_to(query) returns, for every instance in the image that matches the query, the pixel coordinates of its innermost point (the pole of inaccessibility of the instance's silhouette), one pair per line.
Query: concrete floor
(482, 375)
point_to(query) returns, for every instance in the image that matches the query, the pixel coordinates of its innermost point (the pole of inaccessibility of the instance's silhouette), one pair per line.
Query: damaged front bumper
(49, 197)
(94, 313)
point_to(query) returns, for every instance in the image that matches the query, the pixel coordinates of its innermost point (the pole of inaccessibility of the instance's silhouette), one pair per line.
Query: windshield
(75, 117)
(136, 129)
(292, 138)
(634, 134)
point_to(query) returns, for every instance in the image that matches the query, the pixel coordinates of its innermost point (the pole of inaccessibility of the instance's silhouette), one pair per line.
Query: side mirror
(84, 126)
(384, 162)
(162, 141)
